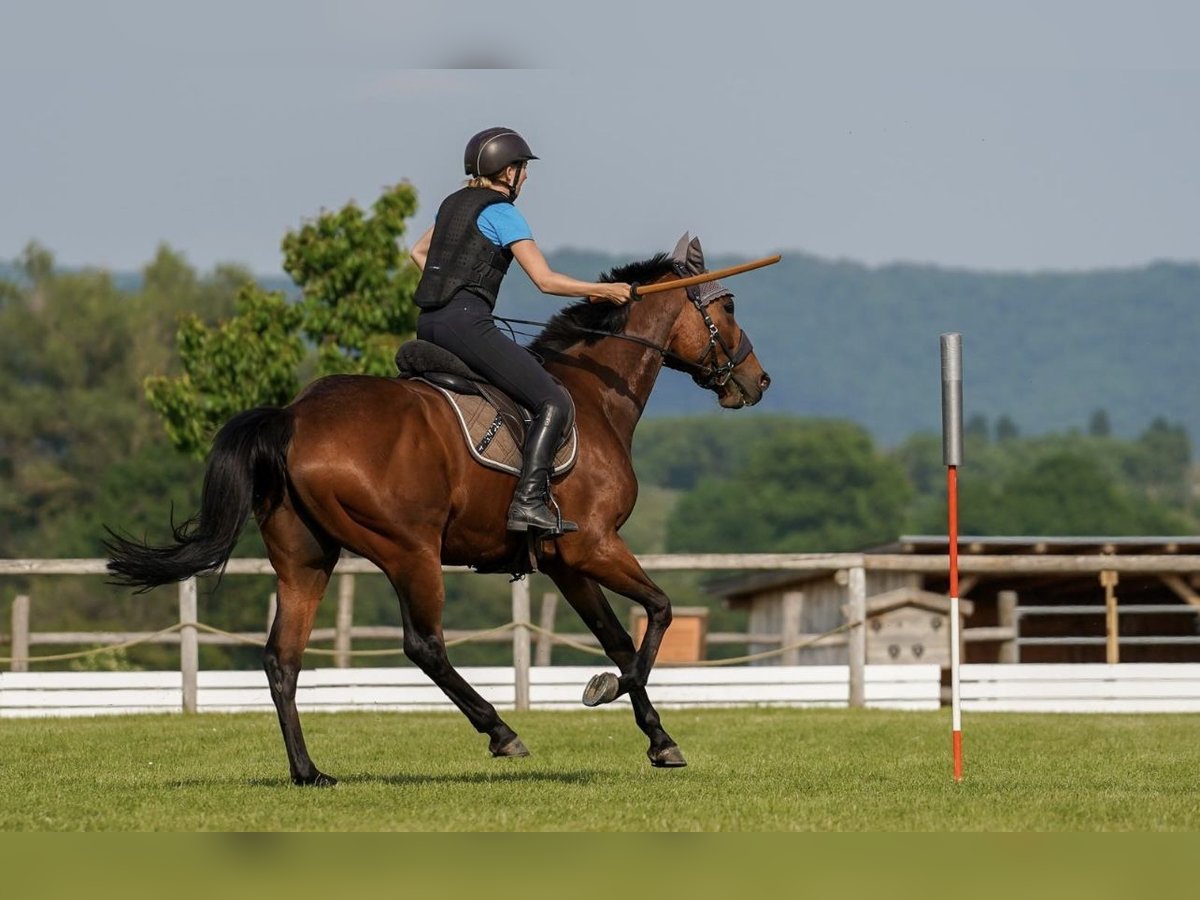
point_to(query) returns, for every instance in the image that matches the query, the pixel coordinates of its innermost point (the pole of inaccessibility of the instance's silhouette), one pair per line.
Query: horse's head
(707, 342)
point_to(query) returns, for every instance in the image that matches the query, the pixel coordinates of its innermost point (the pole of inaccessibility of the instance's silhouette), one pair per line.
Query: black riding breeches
(465, 327)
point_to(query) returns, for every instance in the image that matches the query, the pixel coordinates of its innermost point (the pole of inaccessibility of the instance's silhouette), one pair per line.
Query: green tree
(249, 360)
(1160, 460)
(1099, 425)
(1069, 493)
(357, 282)
(977, 428)
(357, 287)
(1006, 429)
(821, 485)
(678, 452)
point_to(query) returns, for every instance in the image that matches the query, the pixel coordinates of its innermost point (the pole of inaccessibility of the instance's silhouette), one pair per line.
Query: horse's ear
(679, 254)
(695, 256)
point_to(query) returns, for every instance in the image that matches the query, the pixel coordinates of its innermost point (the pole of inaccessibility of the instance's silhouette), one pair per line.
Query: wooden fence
(189, 633)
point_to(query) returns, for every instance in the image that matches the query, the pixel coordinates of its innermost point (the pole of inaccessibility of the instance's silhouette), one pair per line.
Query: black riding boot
(530, 508)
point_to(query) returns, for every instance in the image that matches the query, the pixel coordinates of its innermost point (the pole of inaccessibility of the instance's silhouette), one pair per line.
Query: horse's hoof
(603, 688)
(320, 779)
(669, 757)
(512, 748)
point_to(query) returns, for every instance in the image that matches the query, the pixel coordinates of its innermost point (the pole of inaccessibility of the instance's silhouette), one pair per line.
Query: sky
(1014, 136)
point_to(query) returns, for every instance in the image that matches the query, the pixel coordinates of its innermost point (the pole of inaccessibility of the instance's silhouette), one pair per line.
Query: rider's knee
(558, 405)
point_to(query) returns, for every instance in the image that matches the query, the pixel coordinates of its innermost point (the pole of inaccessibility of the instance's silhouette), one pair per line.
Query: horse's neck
(618, 375)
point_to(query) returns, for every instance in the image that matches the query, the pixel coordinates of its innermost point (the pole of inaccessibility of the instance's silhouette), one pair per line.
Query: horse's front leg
(617, 569)
(587, 599)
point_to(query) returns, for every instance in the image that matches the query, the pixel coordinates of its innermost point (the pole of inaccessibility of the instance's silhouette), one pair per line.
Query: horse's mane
(579, 321)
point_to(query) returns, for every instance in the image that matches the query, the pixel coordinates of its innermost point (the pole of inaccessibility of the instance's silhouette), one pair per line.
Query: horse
(377, 466)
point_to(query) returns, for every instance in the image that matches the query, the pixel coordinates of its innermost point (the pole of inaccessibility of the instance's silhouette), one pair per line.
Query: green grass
(750, 769)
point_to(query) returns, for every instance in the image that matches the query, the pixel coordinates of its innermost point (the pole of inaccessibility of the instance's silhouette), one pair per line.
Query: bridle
(705, 370)
(715, 374)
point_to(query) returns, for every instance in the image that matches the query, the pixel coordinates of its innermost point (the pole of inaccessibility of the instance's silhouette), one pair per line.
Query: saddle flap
(490, 436)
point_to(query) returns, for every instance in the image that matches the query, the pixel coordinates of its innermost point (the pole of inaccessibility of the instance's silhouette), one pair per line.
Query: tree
(818, 486)
(977, 428)
(356, 307)
(1160, 460)
(1069, 493)
(1099, 425)
(1006, 429)
(249, 360)
(358, 285)
(679, 451)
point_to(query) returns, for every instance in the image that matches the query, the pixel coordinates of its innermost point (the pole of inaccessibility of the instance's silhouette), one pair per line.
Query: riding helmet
(494, 148)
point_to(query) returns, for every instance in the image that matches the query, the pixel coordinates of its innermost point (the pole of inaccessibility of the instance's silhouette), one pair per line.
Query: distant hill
(1046, 349)
(847, 340)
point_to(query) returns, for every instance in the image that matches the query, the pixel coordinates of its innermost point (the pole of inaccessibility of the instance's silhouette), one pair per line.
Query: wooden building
(1031, 599)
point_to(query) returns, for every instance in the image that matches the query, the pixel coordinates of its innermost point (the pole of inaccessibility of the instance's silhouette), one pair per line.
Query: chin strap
(512, 188)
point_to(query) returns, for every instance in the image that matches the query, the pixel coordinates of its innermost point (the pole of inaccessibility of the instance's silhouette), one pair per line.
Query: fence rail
(188, 634)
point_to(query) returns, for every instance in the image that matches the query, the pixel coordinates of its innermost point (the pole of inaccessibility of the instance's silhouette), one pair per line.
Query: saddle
(492, 423)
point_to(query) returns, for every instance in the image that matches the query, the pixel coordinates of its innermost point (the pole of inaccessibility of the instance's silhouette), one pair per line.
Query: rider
(463, 257)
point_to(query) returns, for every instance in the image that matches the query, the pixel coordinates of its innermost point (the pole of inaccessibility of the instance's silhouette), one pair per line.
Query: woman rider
(463, 258)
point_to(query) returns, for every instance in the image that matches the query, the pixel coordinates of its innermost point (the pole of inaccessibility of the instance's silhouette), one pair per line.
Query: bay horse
(379, 467)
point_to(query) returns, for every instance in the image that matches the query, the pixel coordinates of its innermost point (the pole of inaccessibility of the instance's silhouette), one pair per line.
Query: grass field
(750, 769)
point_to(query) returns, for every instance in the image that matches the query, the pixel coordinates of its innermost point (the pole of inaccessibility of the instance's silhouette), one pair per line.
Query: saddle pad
(490, 442)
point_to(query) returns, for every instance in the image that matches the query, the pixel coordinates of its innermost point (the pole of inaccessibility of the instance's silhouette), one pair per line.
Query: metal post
(789, 627)
(345, 621)
(545, 646)
(189, 645)
(520, 607)
(1112, 629)
(856, 587)
(952, 441)
(1006, 610)
(20, 633)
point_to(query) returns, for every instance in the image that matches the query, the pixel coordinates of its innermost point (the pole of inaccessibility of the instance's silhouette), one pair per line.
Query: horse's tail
(246, 472)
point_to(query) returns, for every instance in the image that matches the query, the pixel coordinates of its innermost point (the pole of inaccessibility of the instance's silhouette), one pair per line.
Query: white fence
(394, 689)
(1082, 687)
(1048, 688)
(1101, 688)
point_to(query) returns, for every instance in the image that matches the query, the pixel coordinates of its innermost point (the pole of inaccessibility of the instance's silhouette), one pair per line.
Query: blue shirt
(503, 224)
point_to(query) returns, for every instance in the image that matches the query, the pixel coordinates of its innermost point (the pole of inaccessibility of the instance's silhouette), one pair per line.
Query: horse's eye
(729, 306)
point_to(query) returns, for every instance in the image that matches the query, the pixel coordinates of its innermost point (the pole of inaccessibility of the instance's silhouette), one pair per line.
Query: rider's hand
(617, 292)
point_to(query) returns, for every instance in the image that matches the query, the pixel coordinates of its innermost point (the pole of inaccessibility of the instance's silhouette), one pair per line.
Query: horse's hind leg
(304, 562)
(418, 583)
(587, 599)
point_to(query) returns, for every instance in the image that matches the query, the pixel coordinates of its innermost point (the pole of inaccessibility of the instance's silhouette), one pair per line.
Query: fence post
(1006, 611)
(20, 633)
(544, 644)
(189, 645)
(857, 588)
(1112, 628)
(520, 608)
(789, 627)
(345, 621)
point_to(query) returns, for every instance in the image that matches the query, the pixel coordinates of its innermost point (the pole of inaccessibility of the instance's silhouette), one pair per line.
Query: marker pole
(952, 441)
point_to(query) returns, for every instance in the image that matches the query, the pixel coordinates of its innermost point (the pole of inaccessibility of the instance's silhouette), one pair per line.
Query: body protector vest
(460, 257)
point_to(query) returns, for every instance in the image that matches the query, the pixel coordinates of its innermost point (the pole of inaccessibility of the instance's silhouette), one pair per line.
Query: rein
(706, 376)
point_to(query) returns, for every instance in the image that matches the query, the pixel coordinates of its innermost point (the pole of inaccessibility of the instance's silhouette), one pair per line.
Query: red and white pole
(952, 441)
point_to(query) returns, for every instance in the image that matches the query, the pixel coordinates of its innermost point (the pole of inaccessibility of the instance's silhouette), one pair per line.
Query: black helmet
(491, 150)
